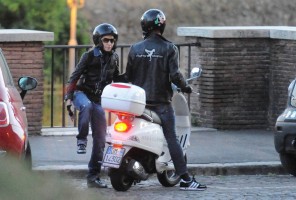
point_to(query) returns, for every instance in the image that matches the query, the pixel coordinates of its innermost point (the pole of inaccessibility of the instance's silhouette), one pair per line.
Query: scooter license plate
(113, 157)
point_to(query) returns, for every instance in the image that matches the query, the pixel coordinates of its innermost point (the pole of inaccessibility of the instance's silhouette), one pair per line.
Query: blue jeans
(167, 117)
(93, 114)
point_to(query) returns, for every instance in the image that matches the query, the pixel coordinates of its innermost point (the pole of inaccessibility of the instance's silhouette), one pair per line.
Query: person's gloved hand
(187, 89)
(70, 112)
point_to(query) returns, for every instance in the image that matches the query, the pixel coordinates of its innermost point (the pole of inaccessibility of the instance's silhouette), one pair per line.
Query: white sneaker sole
(192, 189)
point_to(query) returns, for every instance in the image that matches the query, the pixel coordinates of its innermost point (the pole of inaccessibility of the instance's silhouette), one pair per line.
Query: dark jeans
(167, 117)
(93, 114)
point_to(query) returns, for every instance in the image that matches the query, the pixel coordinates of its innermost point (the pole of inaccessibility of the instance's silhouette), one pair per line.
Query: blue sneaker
(81, 149)
(97, 183)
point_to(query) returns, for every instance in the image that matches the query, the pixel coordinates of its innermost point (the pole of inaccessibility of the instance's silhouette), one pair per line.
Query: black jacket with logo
(93, 72)
(153, 64)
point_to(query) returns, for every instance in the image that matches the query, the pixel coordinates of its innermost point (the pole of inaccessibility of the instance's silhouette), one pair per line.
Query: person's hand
(187, 89)
(69, 102)
(70, 112)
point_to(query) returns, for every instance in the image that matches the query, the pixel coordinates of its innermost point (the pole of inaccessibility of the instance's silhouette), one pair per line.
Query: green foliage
(42, 15)
(52, 16)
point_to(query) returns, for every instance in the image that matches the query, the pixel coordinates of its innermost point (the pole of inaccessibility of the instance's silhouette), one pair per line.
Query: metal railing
(56, 74)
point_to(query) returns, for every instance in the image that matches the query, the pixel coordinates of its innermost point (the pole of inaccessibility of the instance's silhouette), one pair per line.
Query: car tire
(289, 162)
(28, 157)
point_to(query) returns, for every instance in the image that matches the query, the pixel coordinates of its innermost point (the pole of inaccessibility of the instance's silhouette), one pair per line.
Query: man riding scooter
(153, 64)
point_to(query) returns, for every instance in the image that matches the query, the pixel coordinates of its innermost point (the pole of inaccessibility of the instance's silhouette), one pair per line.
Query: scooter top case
(124, 98)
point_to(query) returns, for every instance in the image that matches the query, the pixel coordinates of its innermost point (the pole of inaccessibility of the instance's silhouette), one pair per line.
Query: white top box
(124, 98)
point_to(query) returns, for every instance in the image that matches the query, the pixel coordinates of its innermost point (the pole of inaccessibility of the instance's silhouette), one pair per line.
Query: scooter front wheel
(168, 178)
(120, 180)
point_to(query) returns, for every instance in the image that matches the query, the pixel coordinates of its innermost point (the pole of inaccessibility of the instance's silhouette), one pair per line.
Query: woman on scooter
(153, 64)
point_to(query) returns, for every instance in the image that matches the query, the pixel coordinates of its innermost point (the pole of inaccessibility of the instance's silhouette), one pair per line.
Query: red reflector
(120, 85)
(119, 146)
(121, 127)
(4, 119)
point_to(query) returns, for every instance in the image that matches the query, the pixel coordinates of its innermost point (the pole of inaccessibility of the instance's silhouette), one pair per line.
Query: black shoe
(192, 185)
(81, 149)
(97, 183)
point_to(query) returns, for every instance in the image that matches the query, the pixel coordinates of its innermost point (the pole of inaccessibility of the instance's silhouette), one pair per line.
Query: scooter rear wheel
(120, 180)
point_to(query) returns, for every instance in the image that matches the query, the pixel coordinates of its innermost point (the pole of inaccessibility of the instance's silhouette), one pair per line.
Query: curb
(68, 131)
(212, 169)
(248, 168)
(60, 131)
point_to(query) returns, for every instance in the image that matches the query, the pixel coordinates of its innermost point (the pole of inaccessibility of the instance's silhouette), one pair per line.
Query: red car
(13, 120)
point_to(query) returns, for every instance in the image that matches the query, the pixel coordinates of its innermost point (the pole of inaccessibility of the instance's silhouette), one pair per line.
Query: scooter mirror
(195, 72)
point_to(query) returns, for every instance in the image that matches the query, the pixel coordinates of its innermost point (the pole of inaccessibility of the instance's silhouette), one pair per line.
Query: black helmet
(153, 19)
(102, 30)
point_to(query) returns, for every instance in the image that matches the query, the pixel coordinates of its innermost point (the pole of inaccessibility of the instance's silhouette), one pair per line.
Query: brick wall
(234, 85)
(282, 72)
(26, 59)
(246, 73)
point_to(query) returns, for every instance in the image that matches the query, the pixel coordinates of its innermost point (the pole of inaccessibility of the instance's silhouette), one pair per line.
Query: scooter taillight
(125, 122)
(122, 126)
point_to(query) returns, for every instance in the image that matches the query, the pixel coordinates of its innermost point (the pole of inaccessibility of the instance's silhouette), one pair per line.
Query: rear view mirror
(195, 73)
(27, 83)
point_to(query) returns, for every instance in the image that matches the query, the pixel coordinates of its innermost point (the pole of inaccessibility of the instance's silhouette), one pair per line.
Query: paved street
(206, 147)
(212, 155)
(226, 161)
(240, 187)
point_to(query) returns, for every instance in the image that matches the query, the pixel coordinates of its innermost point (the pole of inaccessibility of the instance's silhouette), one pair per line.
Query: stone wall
(24, 54)
(246, 72)
(26, 59)
(234, 88)
(282, 72)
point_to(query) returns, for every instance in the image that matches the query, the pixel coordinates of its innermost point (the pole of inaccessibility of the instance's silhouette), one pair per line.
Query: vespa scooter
(136, 147)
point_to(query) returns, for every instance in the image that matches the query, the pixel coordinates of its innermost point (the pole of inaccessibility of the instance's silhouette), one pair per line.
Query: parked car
(285, 132)
(13, 120)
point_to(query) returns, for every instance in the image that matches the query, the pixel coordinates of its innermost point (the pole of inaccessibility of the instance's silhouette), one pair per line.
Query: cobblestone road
(219, 187)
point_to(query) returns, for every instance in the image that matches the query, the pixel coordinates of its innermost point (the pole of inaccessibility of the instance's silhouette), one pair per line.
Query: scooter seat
(150, 116)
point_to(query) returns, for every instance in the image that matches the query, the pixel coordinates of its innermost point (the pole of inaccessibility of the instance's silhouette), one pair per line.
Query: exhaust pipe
(136, 170)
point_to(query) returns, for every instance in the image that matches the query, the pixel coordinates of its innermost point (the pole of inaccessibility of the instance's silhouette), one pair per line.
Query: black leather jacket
(93, 72)
(153, 64)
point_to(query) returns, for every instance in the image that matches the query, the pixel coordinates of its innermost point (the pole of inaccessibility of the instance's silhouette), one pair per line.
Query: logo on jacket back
(150, 54)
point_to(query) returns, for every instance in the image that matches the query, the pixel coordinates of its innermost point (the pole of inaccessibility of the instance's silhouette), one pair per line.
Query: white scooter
(136, 144)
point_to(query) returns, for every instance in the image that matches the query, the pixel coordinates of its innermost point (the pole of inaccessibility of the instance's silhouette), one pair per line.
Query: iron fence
(56, 74)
